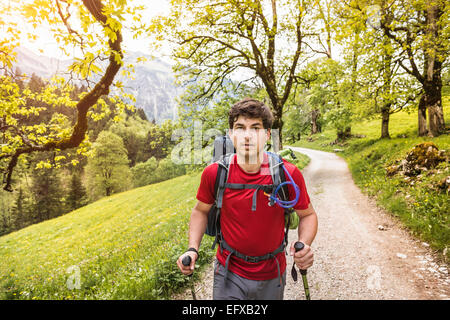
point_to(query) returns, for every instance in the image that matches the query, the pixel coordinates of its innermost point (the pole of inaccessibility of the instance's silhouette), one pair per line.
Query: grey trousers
(239, 288)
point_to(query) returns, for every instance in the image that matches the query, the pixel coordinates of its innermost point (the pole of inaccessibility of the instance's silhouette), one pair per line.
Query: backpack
(223, 153)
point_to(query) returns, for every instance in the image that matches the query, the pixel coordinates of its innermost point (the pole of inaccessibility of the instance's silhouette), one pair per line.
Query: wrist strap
(193, 249)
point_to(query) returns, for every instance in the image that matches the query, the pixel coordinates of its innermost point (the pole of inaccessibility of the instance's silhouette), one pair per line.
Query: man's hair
(250, 108)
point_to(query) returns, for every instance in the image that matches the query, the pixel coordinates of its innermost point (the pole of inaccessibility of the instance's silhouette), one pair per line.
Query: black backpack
(223, 154)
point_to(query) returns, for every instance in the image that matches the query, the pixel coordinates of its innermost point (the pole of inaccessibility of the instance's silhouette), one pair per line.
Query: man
(253, 233)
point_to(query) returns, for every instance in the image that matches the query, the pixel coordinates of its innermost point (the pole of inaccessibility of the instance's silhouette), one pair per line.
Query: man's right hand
(187, 270)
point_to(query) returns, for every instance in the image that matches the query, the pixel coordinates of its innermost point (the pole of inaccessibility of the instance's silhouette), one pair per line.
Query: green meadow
(420, 206)
(121, 247)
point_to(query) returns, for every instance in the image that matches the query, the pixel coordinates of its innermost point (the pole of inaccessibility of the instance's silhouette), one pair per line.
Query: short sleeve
(303, 201)
(205, 192)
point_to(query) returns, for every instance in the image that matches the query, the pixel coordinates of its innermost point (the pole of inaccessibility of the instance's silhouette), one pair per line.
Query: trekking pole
(187, 262)
(299, 246)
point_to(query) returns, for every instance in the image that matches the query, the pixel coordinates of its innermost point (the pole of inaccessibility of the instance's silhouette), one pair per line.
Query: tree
(260, 41)
(298, 118)
(330, 91)
(388, 88)
(47, 193)
(76, 197)
(158, 142)
(107, 169)
(21, 210)
(144, 172)
(133, 131)
(324, 16)
(95, 45)
(420, 29)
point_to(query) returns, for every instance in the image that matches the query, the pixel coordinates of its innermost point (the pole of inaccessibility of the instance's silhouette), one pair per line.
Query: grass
(420, 206)
(121, 247)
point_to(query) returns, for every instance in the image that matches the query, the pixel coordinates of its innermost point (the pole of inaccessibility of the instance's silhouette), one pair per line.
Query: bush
(168, 170)
(143, 173)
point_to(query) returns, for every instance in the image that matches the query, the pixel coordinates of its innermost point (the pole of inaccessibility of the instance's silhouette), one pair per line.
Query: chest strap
(268, 188)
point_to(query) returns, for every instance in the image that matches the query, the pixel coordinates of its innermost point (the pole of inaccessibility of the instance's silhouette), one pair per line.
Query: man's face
(249, 136)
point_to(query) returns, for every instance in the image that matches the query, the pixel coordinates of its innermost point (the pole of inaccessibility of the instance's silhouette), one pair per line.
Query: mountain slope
(120, 247)
(153, 85)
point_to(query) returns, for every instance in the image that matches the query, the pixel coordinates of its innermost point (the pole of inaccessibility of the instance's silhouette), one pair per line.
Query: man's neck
(250, 164)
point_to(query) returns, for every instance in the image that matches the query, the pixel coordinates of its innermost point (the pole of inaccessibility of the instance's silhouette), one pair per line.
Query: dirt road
(360, 251)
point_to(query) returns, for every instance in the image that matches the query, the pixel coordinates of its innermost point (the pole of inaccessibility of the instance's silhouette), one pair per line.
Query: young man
(253, 233)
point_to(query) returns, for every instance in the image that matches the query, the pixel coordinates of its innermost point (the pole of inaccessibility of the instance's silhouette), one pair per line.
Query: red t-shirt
(253, 233)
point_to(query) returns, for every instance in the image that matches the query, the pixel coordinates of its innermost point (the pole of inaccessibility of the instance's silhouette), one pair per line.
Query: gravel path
(360, 251)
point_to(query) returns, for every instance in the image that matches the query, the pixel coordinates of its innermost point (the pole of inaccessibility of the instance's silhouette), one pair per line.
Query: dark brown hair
(251, 108)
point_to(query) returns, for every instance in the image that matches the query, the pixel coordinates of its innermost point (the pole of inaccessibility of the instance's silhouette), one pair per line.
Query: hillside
(119, 247)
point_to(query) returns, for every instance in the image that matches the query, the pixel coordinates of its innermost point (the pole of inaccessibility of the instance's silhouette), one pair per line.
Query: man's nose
(249, 132)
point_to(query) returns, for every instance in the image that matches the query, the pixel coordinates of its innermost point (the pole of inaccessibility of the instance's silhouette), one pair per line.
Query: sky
(46, 45)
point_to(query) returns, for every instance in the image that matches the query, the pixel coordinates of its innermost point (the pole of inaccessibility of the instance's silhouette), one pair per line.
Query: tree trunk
(344, 134)
(433, 101)
(432, 83)
(385, 121)
(422, 117)
(277, 127)
(315, 127)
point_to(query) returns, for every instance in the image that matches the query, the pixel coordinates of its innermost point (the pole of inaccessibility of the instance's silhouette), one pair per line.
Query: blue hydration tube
(289, 203)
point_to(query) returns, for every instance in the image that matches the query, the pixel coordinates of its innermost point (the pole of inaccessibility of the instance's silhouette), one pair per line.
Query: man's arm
(197, 227)
(307, 230)
(307, 227)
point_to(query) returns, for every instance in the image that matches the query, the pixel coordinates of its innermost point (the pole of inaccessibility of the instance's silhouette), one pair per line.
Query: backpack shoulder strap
(277, 172)
(222, 177)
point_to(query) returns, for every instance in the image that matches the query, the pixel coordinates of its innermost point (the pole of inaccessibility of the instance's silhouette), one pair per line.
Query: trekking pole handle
(187, 262)
(299, 246)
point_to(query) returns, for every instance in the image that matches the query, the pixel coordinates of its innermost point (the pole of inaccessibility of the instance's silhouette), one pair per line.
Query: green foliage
(76, 196)
(167, 169)
(153, 171)
(107, 169)
(26, 110)
(133, 133)
(331, 92)
(143, 173)
(47, 194)
(297, 119)
(158, 141)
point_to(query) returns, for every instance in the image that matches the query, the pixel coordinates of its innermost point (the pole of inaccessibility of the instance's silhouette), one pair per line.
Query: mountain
(153, 83)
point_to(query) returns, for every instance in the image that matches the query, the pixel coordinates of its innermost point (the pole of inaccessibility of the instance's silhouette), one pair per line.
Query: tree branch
(101, 88)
